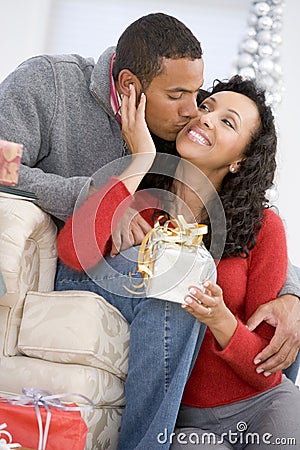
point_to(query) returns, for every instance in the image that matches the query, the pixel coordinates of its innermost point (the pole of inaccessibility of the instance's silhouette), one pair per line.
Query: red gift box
(10, 158)
(42, 427)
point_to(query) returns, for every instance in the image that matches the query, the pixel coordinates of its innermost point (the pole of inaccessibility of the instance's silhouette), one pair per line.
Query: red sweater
(228, 375)
(86, 235)
(219, 376)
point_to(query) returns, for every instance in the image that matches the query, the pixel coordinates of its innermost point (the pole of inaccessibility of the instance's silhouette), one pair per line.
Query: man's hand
(130, 231)
(284, 314)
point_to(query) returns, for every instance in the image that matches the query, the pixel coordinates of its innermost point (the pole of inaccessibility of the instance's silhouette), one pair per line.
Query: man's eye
(173, 97)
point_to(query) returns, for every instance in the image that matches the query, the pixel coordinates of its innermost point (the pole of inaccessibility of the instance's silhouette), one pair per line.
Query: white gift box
(173, 258)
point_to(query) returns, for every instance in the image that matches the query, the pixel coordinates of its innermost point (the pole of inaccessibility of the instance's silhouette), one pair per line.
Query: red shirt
(219, 376)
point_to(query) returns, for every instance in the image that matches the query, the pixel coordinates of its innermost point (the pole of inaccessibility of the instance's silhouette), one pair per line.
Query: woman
(226, 403)
(233, 143)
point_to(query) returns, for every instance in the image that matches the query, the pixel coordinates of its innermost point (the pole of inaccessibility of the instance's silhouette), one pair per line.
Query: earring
(232, 169)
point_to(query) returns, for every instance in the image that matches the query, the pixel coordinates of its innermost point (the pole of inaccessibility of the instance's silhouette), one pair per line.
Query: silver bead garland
(259, 52)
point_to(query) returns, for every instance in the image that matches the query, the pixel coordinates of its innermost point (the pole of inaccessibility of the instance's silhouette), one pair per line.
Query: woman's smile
(195, 134)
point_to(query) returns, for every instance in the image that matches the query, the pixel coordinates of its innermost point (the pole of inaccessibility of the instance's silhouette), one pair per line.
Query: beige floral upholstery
(63, 342)
(77, 316)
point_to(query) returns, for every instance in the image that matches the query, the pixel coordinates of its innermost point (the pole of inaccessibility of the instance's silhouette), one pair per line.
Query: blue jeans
(164, 343)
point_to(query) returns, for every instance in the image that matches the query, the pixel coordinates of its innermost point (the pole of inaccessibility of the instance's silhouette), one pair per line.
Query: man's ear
(125, 78)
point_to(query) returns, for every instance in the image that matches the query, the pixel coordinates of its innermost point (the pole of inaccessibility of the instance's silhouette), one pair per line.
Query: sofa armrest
(25, 232)
(27, 261)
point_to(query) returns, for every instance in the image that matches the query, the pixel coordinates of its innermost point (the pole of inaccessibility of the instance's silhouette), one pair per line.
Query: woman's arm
(85, 238)
(138, 138)
(234, 342)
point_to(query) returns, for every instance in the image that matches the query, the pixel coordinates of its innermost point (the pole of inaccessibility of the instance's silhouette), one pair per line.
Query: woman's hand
(209, 308)
(138, 138)
(134, 127)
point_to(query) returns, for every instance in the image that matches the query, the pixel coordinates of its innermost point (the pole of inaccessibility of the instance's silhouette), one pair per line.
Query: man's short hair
(150, 38)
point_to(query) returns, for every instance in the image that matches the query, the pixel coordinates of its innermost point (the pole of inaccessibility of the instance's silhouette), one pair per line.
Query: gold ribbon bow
(187, 234)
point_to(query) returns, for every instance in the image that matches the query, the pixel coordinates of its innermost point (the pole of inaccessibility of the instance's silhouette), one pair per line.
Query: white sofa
(71, 341)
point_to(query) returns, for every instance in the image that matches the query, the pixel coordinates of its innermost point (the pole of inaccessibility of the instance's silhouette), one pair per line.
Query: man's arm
(27, 112)
(284, 314)
(57, 195)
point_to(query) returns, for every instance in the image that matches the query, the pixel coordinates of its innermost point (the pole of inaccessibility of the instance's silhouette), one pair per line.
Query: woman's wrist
(139, 166)
(224, 329)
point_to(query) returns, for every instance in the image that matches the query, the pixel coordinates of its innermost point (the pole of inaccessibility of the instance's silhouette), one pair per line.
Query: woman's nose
(207, 120)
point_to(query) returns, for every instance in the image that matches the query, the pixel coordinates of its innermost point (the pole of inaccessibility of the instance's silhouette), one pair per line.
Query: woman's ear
(125, 78)
(240, 161)
(236, 165)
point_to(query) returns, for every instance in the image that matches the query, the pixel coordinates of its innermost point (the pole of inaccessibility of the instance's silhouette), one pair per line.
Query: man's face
(171, 97)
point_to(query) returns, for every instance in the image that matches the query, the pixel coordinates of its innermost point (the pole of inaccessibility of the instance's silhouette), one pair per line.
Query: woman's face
(216, 139)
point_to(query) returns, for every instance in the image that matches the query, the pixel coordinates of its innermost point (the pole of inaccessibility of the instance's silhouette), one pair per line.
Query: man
(65, 111)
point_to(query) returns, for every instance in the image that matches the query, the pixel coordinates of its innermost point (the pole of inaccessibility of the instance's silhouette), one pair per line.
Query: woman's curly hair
(244, 193)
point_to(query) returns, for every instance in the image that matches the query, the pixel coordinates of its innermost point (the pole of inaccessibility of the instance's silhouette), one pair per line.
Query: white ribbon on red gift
(36, 397)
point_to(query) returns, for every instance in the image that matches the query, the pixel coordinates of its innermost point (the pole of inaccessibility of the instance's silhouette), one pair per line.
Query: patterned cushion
(75, 327)
(102, 387)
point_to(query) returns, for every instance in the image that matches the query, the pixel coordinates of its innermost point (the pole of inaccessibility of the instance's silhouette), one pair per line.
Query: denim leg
(107, 280)
(164, 342)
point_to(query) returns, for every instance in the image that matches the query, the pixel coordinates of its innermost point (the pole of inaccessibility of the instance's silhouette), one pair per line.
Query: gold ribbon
(187, 234)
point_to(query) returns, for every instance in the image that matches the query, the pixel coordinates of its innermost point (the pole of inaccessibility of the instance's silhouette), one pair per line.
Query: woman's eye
(227, 122)
(204, 107)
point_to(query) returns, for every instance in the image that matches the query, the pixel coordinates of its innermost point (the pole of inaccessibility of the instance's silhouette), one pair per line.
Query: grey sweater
(59, 108)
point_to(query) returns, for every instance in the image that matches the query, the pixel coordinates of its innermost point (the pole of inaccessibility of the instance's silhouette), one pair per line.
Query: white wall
(89, 26)
(24, 27)
(289, 128)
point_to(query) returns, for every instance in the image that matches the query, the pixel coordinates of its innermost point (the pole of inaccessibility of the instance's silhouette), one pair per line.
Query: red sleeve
(267, 267)
(85, 237)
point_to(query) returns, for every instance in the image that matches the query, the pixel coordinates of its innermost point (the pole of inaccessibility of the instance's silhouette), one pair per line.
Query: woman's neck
(193, 189)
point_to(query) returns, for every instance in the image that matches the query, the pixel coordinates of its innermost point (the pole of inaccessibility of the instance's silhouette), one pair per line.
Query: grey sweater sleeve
(27, 110)
(292, 283)
(56, 195)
